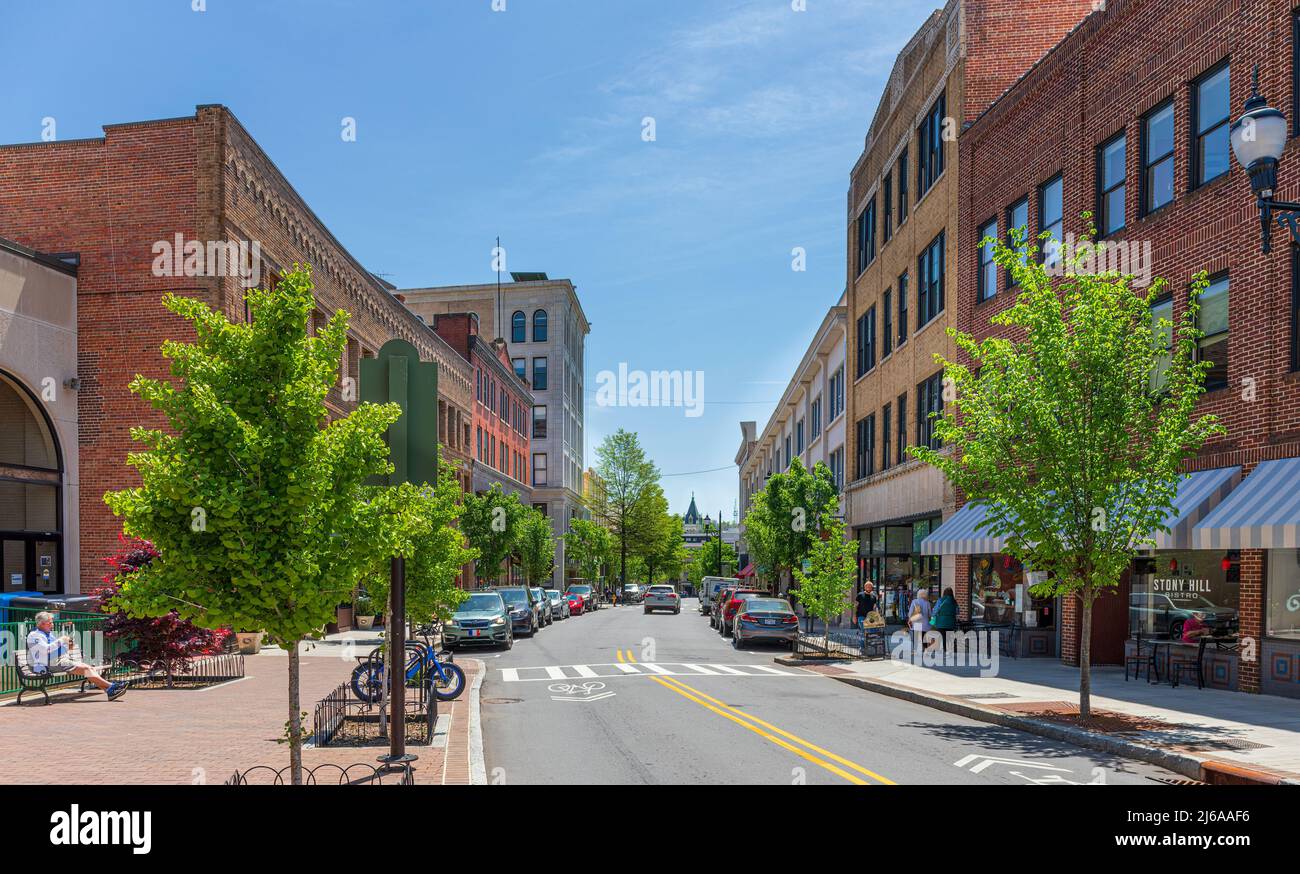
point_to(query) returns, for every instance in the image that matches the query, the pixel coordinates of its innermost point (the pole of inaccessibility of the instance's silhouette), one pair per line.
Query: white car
(662, 597)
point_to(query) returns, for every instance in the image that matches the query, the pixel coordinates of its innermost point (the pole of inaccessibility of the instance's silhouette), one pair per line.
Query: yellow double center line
(770, 732)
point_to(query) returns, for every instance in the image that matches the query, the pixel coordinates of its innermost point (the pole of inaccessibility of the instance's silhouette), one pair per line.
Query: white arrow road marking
(985, 761)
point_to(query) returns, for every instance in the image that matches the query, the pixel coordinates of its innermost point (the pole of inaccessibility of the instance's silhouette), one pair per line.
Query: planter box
(365, 622)
(249, 642)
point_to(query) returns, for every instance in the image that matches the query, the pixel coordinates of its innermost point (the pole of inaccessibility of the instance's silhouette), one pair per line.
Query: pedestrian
(918, 619)
(867, 603)
(47, 654)
(944, 617)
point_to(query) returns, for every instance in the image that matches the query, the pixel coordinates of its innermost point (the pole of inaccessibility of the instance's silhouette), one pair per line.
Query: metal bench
(30, 681)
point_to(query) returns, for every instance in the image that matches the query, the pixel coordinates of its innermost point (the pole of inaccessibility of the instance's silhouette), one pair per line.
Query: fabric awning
(1197, 497)
(1261, 513)
(1198, 494)
(747, 572)
(958, 536)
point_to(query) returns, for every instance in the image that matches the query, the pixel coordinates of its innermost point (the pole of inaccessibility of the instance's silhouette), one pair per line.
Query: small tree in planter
(165, 642)
(832, 570)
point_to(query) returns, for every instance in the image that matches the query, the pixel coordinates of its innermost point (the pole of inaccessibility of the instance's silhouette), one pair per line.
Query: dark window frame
(930, 281)
(902, 186)
(982, 292)
(1194, 165)
(1146, 163)
(887, 200)
(518, 327)
(1102, 191)
(1009, 279)
(887, 328)
(1042, 209)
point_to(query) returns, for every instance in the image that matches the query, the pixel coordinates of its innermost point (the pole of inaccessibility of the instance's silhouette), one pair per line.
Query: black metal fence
(183, 673)
(842, 643)
(341, 719)
(360, 774)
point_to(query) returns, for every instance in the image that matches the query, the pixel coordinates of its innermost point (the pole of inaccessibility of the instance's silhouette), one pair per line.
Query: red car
(732, 603)
(576, 603)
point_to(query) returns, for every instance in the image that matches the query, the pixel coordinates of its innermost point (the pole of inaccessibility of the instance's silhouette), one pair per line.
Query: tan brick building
(200, 178)
(901, 270)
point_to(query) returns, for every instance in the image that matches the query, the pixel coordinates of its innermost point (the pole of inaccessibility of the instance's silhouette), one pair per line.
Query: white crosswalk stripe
(644, 669)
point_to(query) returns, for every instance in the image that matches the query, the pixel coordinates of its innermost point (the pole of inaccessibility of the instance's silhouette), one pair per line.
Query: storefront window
(891, 556)
(1166, 590)
(998, 587)
(1282, 608)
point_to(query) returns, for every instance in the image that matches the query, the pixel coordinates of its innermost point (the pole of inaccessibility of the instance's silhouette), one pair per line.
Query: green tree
(418, 523)
(589, 546)
(667, 556)
(625, 493)
(491, 525)
(707, 560)
(253, 499)
(1074, 432)
(788, 514)
(832, 570)
(535, 545)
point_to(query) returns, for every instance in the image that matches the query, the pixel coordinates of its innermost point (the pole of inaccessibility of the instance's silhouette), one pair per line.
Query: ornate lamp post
(1258, 139)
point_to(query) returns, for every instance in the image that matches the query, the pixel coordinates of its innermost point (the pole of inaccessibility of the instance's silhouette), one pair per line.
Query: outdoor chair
(1195, 668)
(29, 681)
(1137, 661)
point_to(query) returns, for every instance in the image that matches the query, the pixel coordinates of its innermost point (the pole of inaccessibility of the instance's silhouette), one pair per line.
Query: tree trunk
(1085, 658)
(295, 717)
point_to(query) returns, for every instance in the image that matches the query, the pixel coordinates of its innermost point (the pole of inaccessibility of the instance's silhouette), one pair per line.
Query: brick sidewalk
(189, 736)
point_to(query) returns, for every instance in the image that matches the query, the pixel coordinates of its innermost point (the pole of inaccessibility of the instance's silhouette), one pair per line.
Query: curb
(477, 764)
(1194, 767)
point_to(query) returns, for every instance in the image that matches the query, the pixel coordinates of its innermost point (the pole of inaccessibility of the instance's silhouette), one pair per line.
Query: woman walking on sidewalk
(944, 619)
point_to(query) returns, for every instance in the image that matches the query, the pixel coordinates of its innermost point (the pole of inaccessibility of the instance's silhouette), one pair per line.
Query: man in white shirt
(47, 654)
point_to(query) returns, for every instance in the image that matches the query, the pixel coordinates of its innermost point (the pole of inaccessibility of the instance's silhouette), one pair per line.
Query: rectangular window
(929, 400)
(798, 437)
(867, 235)
(988, 277)
(1210, 115)
(539, 422)
(521, 367)
(1213, 322)
(816, 413)
(887, 201)
(1281, 618)
(901, 433)
(788, 456)
(866, 447)
(902, 187)
(885, 428)
(837, 469)
(887, 333)
(1017, 219)
(539, 468)
(479, 431)
(929, 165)
(929, 287)
(1158, 157)
(866, 341)
(1111, 175)
(902, 308)
(478, 386)
(539, 374)
(1163, 339)
(1051, 212)
(836, 389)
(1295, 308)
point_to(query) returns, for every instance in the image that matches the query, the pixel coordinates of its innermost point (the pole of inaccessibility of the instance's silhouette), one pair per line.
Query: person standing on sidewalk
(944, 618)
(918, 620)
(867, 603)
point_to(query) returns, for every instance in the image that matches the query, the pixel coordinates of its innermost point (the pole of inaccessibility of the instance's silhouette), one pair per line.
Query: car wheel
(1176, 630)
(737, 641)
(677, 611)
(646, 611)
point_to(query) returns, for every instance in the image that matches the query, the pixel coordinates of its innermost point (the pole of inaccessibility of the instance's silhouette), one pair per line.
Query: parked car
(722, 595)
(590, 601)
(482, 620)
(770, 620)
(633, 594)
(559, 604)
(525, 610)
(1159, 613)
(662, 597)
(577, 603)
(708, 593)
(544, 605)
(727, 609)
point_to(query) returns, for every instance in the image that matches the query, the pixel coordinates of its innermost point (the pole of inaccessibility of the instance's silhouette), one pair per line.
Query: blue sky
(527, 124)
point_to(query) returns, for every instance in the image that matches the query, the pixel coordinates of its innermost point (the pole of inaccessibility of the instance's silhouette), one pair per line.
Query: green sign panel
(399, 376)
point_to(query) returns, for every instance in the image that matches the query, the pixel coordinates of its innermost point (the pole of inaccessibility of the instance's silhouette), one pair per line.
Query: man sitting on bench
(47, 654)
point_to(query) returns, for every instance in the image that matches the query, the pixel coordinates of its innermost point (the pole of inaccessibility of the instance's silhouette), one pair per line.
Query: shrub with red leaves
(167, 642)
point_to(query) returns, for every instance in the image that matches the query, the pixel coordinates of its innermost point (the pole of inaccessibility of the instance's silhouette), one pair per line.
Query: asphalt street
(620, 697)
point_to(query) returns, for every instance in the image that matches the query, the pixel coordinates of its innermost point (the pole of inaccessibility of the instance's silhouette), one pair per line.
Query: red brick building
(1128, 118)
(114, 201)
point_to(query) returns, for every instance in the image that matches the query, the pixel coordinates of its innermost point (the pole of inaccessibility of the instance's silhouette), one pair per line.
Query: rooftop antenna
(496, 319)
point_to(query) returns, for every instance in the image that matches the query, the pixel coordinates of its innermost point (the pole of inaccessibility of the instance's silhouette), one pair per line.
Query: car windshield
(552, 594)
(768, 605)
(481, 601)
(514, 597)
(580, 590)
(661, 590)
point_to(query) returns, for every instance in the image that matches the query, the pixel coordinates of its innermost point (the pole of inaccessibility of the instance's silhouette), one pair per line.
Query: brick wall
(110, 199)
(1116, 66)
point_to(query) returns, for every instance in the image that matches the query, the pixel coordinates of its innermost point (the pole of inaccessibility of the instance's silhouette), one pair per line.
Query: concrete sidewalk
(1205, 734)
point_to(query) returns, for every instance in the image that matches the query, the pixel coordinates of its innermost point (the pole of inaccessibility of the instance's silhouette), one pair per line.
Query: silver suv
(662, 597)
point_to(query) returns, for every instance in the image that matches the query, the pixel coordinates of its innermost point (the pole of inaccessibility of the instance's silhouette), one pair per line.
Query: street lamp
(1258, 138)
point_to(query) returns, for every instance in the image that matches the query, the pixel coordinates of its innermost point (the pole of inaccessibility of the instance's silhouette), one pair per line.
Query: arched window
(517, 324)
(30, 494)
(539, 326)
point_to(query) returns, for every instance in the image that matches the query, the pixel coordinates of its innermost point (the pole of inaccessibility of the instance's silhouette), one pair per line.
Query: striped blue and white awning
(1261, 513)
(959, 535)
(1198, 494)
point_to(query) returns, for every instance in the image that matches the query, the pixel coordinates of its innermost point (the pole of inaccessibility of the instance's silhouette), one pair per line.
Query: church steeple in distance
(692, 516)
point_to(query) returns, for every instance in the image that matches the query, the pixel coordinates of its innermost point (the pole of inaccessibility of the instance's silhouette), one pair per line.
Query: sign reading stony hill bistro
(1181, 589)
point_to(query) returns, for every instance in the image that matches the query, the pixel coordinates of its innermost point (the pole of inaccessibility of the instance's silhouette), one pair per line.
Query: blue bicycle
(423, 666)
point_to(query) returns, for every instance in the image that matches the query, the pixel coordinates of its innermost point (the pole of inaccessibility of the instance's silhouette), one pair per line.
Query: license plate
(769, 622)
(474, 632)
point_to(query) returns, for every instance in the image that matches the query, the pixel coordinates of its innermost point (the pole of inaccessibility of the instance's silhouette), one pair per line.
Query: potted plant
(363, 611)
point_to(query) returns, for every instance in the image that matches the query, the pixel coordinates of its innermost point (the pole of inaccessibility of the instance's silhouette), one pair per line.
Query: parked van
(709, 587)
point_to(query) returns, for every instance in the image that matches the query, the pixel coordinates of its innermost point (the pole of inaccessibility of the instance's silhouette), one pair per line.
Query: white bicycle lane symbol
(578, 692)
